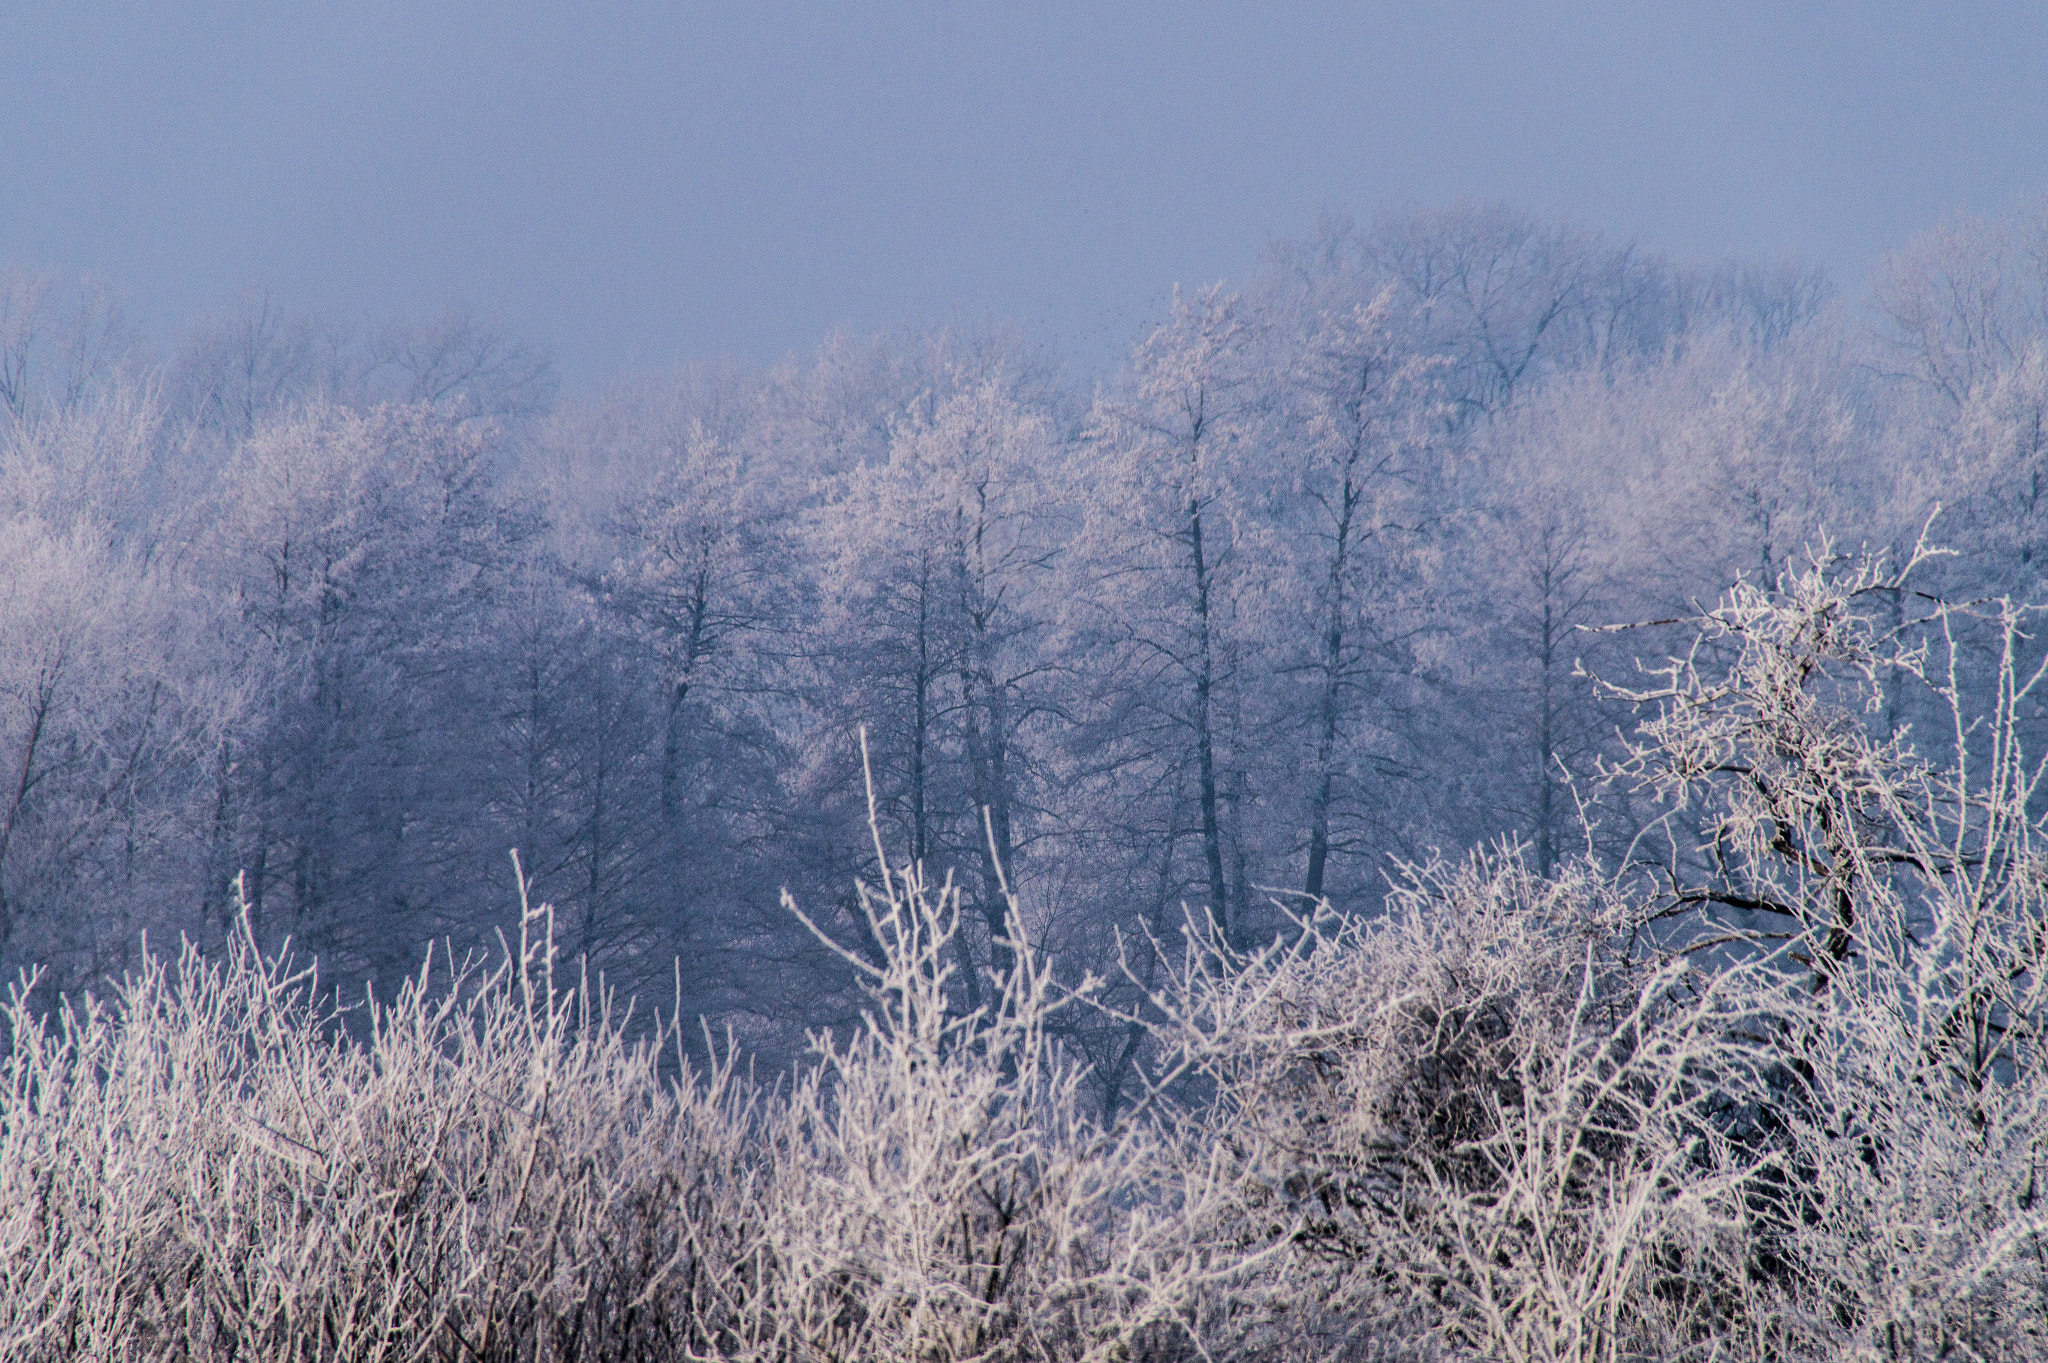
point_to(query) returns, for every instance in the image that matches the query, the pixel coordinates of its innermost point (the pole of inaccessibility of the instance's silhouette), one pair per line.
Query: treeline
(339, 618)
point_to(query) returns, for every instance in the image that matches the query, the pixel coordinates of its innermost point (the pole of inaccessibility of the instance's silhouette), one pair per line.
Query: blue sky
(640, 183)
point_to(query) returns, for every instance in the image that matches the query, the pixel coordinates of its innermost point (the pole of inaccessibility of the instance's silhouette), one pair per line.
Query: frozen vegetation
(1477, 800)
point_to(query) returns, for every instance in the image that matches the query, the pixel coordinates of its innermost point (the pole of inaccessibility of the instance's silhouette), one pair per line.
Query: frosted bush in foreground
(1488, 1127)
(1901, 878)
(216, 1166)
(1859, 804)
(943, 1192)
(213, 1167)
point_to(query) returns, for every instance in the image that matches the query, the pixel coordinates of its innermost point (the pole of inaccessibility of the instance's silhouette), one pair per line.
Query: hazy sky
(635, 183)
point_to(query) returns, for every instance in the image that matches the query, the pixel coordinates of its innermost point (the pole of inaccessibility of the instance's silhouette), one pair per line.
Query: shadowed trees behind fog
(1301, 588)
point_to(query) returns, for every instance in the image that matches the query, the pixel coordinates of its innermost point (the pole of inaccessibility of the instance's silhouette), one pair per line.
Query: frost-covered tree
(1894, 876)
(457, 362)
(700, 548)
(1353, 500)
(574, 774)
(115, 685)
(108, 712)
(1547, 567)
(360, 549)
(231, 372)
(1175, 555)
(1965, 299)
(939, 613)
(59, 343)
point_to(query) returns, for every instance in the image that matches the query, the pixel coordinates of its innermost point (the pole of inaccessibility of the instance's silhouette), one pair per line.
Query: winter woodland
(1474, 801)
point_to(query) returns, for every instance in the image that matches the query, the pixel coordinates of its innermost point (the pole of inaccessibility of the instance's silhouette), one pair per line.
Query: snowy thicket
(218, 1163)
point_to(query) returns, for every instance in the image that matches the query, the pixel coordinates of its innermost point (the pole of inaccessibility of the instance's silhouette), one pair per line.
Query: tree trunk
(920, 685)
(1205, 738)
(1546, 737)
(987, 751)
(696, 643)
(25, 780)
(220, 868)
(672, 756)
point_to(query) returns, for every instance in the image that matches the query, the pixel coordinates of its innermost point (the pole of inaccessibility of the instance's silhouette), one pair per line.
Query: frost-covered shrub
(944, 1191)
(212, 1167)
(1851, 803)
(221, 1165)
(1487, 1122)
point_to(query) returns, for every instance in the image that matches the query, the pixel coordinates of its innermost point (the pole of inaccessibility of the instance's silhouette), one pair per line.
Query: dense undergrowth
(1770, 1089)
